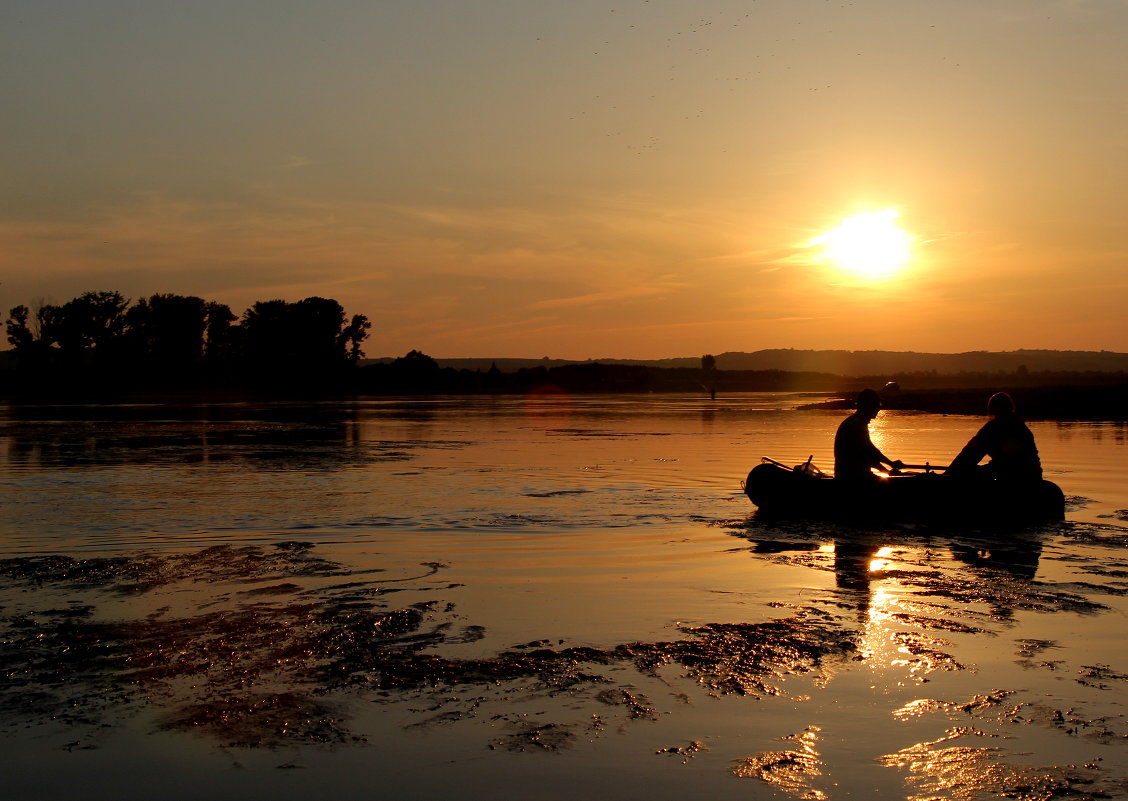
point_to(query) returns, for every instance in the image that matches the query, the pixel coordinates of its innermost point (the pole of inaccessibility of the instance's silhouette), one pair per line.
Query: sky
(578, 179)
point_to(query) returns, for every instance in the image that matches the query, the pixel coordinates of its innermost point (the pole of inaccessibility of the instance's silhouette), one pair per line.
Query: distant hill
(854, 363)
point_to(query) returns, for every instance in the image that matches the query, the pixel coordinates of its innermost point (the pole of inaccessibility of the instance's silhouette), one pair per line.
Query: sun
(869, 246)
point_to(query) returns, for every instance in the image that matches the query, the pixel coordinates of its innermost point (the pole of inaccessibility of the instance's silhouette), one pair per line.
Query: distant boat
(806, 493)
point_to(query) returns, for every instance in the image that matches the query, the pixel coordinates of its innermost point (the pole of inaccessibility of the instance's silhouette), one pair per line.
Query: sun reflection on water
(789, 770)
(942, 769)
(878, 641)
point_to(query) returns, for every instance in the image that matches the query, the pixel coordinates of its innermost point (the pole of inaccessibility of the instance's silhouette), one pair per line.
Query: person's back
(1007, 440)
(853, 450)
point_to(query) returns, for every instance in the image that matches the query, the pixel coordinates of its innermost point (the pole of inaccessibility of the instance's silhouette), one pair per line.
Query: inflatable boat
(802, 491)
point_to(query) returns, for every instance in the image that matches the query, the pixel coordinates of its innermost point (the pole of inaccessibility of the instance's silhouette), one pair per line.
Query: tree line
(102, 344)
(418, 373)
(102, 340)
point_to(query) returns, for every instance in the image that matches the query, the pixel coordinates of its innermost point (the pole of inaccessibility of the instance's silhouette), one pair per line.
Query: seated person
(1007, 440)
(854, 453)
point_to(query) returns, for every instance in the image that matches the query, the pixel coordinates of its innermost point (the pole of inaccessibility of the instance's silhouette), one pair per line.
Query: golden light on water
(870, 246)
(792, 771)
(880, 560)
(876, 641)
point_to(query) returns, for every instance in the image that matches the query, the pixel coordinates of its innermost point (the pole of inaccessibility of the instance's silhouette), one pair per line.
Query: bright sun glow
(869, 246)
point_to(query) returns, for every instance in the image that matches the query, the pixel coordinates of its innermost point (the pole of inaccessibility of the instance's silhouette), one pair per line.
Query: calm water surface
(548, 597)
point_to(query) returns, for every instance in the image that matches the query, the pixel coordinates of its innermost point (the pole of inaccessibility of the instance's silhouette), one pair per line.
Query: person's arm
(972, 453)
(893, 464)
(880, 460)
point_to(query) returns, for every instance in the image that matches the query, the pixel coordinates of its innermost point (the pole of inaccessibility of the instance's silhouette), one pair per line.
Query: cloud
(294, 163)
(603, 298)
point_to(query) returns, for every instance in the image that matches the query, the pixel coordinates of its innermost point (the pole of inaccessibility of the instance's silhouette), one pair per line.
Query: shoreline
(1061, 403)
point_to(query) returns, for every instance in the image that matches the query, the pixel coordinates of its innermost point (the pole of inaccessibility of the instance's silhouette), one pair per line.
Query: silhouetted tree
(353, 335)
(417, 361)
(88, 330)
(308, 338)
(709, 374)
(319, 324)
(25, 333)
(219, 337)
(95, 319)
(413, 372)
(18, 329)
(166, 334)
(266, 336)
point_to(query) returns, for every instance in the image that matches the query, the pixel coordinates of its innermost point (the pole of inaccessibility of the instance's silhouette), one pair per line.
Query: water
(549, 596)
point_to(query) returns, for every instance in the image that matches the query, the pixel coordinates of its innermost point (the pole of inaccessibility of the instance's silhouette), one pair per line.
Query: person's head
(1000, 403)
(868, 402)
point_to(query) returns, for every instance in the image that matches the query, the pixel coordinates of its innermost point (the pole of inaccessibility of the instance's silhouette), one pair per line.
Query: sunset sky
(576, 179)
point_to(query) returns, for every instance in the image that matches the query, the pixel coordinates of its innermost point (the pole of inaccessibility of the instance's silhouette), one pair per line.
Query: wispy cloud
(294, 163)
(603, 298)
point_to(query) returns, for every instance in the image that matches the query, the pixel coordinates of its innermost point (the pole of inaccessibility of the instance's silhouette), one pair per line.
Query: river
(546, 596)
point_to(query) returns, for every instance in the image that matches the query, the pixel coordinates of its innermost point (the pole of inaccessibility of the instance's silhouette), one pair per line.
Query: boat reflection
(861, 557)
(902, 596)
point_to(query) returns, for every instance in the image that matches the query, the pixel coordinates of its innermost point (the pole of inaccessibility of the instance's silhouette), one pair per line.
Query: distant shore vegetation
(103, 346)
(101, 342)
